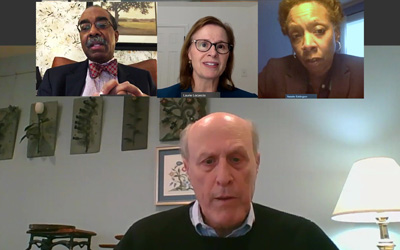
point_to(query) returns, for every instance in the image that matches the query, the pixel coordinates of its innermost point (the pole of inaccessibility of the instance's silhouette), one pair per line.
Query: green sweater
(271, 229)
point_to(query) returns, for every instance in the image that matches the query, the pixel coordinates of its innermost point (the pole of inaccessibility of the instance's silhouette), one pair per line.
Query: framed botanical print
(172, 182)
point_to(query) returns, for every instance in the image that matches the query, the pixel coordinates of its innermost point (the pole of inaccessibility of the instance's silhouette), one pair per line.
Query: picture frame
(172, 182)
(142, 37)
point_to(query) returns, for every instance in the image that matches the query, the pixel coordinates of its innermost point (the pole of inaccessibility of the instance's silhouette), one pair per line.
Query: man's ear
(116, 36)
(186, 166)
(258, 158)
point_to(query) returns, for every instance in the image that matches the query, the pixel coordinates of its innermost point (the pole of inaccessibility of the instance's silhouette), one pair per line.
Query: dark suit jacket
(69, 80)
(287, 75)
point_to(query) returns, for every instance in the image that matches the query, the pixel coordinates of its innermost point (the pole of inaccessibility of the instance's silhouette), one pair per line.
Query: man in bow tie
(100, 74)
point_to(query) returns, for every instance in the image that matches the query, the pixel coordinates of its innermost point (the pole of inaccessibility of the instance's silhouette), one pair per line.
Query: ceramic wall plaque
(135, 123)
(42, 129)
(86, 125)
(177, 113)
(9, 118)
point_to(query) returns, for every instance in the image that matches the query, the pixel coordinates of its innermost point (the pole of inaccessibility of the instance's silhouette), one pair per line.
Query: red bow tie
(95, 69)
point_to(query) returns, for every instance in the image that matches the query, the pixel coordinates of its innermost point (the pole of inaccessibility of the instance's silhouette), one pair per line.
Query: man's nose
(224, 174)
(94, 30)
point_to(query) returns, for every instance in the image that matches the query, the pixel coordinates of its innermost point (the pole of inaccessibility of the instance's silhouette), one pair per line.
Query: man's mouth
(224, 198)
(96, 45)
(96, 42)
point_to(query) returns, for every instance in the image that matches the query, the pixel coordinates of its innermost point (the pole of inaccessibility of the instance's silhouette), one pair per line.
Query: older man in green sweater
(220, 155)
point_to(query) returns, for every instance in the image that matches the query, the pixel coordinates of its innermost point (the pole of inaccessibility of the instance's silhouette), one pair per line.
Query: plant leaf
(29, 126)
(23, 137)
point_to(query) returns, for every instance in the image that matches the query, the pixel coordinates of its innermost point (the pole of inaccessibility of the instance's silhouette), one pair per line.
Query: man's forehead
(95, 13)
(209, 123)
(232, 129)
(220, 130)
(220, 143)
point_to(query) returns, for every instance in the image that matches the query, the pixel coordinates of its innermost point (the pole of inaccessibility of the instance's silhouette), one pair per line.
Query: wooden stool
(46, 236)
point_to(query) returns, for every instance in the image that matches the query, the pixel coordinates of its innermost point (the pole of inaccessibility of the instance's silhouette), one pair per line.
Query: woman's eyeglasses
(205, 45)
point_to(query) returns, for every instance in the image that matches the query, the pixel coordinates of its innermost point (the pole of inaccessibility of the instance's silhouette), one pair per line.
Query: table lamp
(371, 194)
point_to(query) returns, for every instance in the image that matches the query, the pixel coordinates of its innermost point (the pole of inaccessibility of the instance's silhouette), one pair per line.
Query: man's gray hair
(184, 146)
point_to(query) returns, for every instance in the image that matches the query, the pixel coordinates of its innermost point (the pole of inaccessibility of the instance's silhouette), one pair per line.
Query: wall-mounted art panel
(177, 113)
(86, 125)
(135, 123)
(42, 129)
(9, 118)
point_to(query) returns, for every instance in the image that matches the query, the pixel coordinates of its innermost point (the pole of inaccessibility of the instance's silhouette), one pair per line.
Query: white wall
(239, 15)
(307, 149)
(17, 77)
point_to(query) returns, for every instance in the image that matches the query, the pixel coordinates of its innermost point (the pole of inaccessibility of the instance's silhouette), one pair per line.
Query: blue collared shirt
(205, 230)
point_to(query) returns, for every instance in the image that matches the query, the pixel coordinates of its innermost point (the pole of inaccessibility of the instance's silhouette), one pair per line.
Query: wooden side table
(69, 237)
(112, 246)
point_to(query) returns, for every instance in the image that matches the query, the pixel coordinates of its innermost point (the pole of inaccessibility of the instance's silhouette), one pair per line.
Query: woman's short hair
(186, 70)
(333, 7)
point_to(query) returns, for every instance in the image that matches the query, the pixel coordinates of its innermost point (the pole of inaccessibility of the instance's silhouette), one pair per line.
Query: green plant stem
(39, 135)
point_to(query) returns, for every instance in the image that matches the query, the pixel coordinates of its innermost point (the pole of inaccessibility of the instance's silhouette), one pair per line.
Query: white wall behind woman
(241, 16)
(307, 149)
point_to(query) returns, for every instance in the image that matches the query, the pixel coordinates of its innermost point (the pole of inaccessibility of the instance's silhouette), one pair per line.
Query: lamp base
(385, 243)
(386, 247)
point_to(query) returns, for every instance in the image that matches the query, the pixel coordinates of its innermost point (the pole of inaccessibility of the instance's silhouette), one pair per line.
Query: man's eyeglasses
(101, 25)
(205, 45)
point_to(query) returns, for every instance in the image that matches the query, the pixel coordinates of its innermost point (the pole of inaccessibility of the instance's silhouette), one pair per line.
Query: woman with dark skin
(315, 67)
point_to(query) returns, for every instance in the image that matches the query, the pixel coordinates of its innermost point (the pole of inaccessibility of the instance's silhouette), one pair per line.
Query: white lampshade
(372, 190)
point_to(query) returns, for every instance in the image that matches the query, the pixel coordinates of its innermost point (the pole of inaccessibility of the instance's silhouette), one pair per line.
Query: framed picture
(172, 182)
(137, 24)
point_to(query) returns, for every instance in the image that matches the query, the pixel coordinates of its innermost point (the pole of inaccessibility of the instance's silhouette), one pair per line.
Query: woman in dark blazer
(315, 67)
